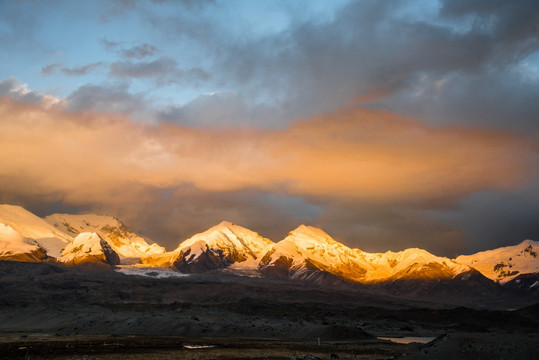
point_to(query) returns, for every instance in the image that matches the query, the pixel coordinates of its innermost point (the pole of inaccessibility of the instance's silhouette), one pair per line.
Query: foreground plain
(52, 311)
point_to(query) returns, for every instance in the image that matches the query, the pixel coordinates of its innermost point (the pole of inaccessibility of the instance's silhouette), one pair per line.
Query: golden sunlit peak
(225, 223)
(311, 232)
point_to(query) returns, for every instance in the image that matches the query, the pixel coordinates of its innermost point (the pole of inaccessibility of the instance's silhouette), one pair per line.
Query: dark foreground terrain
(48, 311)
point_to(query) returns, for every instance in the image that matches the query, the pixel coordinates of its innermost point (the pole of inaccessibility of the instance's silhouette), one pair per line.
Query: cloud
(384, 48)
(11, 88)
(116, 8)
(187, 3)
(81, 70)
(354, 161)
(220, 109)
(109, 44)
(353, 153)
(495, 218)
(499, 101)
(163, 70)
(111, 98)
(74, 71)
(50, 69)
(139, 51)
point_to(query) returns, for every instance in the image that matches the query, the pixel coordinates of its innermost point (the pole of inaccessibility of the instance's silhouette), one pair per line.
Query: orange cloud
(349, 154)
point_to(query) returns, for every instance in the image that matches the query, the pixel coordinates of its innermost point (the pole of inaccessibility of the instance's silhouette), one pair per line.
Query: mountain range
(306, 254)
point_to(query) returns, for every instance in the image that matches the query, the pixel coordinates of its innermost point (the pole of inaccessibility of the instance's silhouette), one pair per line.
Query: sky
(389, 124)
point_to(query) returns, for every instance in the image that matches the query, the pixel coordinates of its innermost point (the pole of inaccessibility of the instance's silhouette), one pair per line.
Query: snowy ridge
(505, 263)
(307, 253)
(410, 263)
(306, 249)
(32, 227)
(122, 240)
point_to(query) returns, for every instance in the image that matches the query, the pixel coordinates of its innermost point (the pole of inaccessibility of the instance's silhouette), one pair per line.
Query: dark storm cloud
(491, 219)
(508, 23)
(507, 101)
(369, 50)
(373, 227)
(163, 70)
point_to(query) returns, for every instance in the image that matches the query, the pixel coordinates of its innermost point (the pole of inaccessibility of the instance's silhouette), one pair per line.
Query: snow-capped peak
(505, 263)
(122, 240)
(305, 235)
(91, 248)
(236, 243)
(308, 248)
(239, 248)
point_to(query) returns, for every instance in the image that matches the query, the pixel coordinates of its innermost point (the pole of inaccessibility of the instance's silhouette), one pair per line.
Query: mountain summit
(89, 249)
(223, 245)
